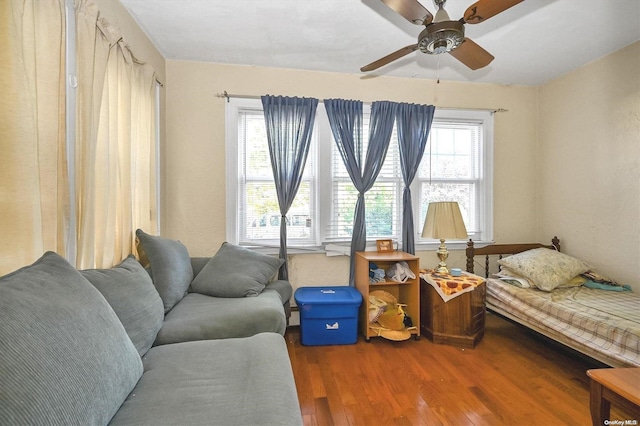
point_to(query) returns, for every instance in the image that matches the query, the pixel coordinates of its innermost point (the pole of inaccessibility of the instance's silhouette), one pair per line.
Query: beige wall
(589, 164)
(567, 154)
(194, 194)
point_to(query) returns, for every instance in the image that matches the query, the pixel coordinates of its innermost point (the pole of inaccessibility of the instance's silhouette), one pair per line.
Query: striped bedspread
(606, 322)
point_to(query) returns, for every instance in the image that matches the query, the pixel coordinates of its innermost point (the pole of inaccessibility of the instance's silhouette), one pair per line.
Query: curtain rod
(229, 96)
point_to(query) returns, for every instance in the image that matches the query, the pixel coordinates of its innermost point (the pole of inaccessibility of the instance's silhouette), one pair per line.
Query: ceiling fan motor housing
(441, 37)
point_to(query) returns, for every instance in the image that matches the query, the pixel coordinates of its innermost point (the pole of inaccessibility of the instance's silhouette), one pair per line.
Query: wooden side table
(620, 386)
(458, 322)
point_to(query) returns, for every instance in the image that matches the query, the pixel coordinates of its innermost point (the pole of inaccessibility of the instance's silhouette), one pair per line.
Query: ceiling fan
(441, 34)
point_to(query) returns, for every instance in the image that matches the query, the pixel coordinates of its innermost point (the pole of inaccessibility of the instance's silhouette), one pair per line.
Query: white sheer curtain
(115, 144)
(34, 196)
(115, 148)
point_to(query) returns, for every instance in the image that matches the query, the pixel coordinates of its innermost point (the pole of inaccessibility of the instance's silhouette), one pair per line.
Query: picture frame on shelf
(384, 246)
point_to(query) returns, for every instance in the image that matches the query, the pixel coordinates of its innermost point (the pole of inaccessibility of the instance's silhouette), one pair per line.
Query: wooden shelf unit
(407, 293)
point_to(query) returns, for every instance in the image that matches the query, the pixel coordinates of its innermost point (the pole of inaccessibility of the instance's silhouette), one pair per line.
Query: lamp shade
(444, 222)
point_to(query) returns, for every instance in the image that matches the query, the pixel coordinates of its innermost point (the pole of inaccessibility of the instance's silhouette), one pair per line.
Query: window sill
(341, 249)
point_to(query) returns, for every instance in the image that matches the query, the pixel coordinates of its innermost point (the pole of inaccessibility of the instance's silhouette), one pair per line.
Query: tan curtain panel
(33, 172)
(115, 148)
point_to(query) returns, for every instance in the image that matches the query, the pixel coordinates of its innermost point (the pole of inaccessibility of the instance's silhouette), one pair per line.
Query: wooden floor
(511, 378)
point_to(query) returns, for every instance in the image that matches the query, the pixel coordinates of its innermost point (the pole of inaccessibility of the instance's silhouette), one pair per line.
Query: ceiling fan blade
(472, 55)
(390, 58)
(484, 9)
(410, 10)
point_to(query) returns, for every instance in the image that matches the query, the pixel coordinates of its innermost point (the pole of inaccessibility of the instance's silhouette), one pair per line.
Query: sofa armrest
(284, 289)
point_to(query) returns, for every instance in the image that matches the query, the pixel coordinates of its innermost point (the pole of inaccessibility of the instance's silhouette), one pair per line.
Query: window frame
(321, 215)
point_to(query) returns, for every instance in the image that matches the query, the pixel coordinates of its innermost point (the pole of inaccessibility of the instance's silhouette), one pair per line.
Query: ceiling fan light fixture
(441, 37)
(440, 46)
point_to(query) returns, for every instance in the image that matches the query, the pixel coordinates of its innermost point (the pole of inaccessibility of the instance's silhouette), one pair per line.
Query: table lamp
(444, 221)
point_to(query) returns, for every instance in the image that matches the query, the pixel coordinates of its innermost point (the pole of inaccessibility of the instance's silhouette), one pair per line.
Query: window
(456, 167)
(383, 200)
(255, 203)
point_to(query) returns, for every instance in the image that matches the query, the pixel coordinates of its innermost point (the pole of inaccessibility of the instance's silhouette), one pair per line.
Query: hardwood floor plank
(323, 413)
(511, 377)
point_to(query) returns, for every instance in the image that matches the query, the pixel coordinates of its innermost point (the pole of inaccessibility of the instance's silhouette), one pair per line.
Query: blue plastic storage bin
(328, 315)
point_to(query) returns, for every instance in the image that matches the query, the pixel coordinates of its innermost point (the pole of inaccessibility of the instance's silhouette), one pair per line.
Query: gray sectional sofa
(136, 346)
(231, 294)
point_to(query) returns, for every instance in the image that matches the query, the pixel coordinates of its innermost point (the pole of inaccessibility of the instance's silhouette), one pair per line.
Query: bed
(602, 324)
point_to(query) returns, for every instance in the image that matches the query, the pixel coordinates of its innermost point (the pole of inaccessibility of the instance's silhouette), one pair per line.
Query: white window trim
(231, 135)
(158, 158)
(323, 198)
(70, 99)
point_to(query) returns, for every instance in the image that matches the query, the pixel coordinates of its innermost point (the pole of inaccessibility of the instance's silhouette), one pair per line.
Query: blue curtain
(289, 123)
(345, 118)
(413, 124)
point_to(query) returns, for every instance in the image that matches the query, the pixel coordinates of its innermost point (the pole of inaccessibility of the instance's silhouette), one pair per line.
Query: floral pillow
(544, 268)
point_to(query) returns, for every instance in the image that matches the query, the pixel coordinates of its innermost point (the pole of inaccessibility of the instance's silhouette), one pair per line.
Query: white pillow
(544, 268)
(514, 279)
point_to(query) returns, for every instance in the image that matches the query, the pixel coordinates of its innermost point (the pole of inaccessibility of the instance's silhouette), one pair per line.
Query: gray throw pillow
(171, 269)
(65, 358)
(130, 292)
(235, 272)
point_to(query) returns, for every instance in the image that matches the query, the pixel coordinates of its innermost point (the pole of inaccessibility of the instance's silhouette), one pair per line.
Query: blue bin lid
(328, 295)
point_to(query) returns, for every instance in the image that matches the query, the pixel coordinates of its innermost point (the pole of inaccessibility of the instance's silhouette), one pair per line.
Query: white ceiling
(533, 42)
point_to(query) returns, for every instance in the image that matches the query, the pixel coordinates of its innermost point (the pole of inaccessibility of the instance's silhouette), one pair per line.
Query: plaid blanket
(606, 322)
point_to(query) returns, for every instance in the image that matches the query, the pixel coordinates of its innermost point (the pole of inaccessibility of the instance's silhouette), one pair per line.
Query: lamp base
(442, 269)
(442, 253)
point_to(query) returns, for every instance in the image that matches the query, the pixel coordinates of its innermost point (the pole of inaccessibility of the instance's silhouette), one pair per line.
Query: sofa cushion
(130, 292)
(170, 266)
(65, 358)
(235, 271)
(245, 381)
(200, 317)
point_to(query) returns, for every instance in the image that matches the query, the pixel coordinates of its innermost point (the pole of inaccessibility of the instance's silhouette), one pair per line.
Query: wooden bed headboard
(501, 250)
